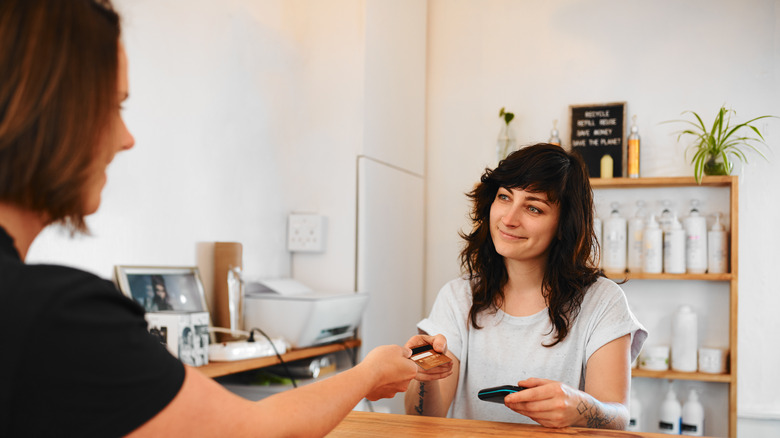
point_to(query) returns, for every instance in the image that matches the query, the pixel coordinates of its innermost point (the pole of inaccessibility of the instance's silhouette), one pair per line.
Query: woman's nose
(511, 217)
(127, 141)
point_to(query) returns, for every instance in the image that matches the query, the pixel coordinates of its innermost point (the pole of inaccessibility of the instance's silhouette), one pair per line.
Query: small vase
(506, 142)
(715, 166)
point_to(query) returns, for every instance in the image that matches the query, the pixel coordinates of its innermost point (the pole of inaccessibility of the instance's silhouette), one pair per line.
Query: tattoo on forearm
(419, 407)
(598, 416)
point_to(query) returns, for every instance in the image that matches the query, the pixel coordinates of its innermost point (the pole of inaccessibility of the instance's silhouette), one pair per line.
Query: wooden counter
(375, 425)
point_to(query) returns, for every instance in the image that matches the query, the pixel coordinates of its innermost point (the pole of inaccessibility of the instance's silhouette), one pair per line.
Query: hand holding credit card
(427, 358)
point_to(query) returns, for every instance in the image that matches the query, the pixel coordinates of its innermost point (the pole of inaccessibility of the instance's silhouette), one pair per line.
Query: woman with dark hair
(63, 78)
(532, 308)
(161, 300)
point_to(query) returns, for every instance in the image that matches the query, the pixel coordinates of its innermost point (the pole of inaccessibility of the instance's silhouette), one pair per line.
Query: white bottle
(685, 340)
(635, 227)
(614, 247)
(692, 416)
(597, 244)
(666, 215)
(635, 413)
(674, 248)
(695, 226)
(670, 415)
(652, 247)
(717, 248)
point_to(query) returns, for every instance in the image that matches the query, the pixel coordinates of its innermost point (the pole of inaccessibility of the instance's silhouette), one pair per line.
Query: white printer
(288, 309)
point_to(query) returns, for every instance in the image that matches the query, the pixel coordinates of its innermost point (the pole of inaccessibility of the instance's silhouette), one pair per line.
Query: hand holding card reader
(496, 394)
(427, 358)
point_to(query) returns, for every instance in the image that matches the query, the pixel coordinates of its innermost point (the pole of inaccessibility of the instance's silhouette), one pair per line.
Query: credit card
(426, 357)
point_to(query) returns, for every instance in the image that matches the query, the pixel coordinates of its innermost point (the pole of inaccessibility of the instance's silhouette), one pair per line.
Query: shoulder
(47, 278)
(453, 302)
(457, 290)
(38, 293)
(603, 295)
(604, 289)
(459, 286)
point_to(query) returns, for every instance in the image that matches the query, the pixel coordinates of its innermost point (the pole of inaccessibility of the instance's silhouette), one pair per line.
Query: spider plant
(716, 149)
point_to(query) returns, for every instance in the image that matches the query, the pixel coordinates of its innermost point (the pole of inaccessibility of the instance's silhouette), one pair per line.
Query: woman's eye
(503, 197)
(534, 209)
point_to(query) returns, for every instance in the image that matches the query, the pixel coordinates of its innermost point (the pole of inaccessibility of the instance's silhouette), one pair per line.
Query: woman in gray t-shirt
(532, 309)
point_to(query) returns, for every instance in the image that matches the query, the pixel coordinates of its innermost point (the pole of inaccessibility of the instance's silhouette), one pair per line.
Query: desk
(370, 424)
(218, 369)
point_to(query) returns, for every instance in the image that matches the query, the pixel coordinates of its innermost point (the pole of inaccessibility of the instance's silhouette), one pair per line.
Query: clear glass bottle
(554, 138)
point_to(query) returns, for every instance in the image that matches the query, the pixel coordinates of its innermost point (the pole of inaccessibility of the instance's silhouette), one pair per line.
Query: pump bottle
(633, 150)
(635, 413)
(674, 248)
(695, 226)
(685, 340)
(717, 248)
(692, 416)
(670, 414)
(635, 227)
(666, 215)
(614, 248)
(652, 247)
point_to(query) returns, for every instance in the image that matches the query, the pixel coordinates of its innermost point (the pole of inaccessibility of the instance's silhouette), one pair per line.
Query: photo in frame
(160, 289)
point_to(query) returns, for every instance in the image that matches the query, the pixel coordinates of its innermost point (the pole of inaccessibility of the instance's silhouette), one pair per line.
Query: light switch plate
(306, 232)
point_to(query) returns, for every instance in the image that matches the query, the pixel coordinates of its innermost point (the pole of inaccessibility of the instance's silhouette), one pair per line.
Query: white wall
(536, 58)
(243, 112)
(209, 110)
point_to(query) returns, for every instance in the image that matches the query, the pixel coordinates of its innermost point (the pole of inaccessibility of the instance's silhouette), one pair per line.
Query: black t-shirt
(76, 357)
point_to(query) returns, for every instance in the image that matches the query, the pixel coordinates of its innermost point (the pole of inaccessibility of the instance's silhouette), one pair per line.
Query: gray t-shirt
(509, 348)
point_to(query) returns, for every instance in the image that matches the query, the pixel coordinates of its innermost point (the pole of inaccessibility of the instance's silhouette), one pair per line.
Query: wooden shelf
(679, 375)
(217, 369)
(731, 183)
(664, 276)
(673, 181)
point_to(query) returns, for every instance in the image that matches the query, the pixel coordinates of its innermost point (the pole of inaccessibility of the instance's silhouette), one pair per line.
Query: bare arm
(603, 403)
(204, 408)
(431, 392)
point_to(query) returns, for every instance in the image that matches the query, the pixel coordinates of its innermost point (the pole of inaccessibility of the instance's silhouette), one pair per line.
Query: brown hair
(58, 83)
(563, 177)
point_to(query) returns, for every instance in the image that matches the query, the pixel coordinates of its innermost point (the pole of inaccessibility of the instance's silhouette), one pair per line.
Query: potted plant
(715, 150)
(506, 138)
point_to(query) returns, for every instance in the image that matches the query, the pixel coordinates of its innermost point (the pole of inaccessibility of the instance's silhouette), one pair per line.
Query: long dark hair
(562, 176)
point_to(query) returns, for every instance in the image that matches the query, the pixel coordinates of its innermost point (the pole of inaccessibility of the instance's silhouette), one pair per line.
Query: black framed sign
(598, 130)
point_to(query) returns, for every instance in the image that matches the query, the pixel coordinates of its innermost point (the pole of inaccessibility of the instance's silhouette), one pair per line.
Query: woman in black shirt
(77, 360)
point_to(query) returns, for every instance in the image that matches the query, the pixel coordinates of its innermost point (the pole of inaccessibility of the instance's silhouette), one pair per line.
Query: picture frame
(163, 288)
(597, 130)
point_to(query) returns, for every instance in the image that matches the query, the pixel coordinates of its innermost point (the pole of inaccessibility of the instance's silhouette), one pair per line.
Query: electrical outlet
(306, 232)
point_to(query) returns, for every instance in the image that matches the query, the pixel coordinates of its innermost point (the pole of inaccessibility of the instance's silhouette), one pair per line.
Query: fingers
(439, 342)
(387, 391)
(437, 373)
(394, 370)
(545, 401)
(533, 382)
